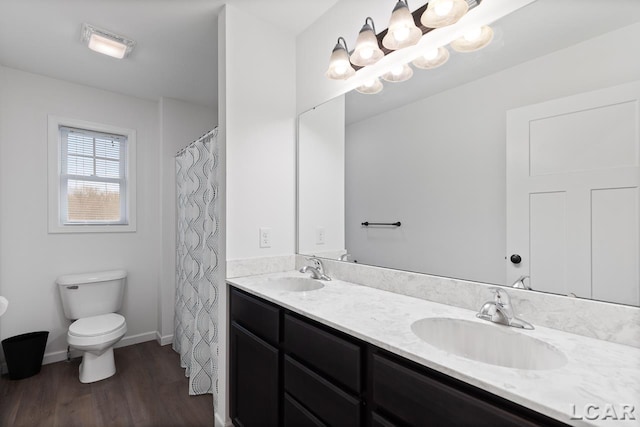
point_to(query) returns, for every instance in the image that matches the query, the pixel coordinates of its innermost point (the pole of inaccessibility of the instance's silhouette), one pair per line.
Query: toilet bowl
(92, 300)
(96, 336)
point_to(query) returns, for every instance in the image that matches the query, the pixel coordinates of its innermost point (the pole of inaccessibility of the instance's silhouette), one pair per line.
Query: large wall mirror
(529, 147)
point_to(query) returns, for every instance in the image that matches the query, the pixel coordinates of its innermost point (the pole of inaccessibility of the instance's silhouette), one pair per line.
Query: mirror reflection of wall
(321, 180)
(438, 163)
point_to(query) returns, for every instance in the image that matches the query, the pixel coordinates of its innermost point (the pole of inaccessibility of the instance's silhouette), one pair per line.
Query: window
(91, 190)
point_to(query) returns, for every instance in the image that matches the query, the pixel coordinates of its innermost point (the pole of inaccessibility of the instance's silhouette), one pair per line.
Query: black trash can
(24, 354)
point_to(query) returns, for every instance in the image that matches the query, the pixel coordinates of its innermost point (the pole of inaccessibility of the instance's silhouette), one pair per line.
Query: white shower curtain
(198, 276)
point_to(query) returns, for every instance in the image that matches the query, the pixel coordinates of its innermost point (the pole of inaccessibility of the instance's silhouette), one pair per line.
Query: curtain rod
(207, 133)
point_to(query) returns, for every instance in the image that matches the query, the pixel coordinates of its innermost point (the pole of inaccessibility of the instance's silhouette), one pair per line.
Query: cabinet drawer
(295, 415)
(335, 357)
(418, 400)
(330, 404)
(254, 379)
(259, 317)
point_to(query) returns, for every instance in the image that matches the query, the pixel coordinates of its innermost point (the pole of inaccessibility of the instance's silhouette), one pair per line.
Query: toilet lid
(96, 325)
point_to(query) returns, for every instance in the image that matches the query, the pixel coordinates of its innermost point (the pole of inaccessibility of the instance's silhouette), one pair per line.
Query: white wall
(257, 118)
(449, 192)
(180, 123)
(321, 132)
(30, 258)
(260, 134)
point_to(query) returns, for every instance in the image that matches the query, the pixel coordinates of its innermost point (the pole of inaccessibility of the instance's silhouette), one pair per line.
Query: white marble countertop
(598, 373)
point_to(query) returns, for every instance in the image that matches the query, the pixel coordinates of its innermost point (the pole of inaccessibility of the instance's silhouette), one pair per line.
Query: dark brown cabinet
(254, 379)
(325, 400)
(255, 361)
(334, 357)
(415, 397)
(287, 370)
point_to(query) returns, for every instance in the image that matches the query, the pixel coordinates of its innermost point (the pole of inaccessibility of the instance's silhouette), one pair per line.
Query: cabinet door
(415, 399)
(254, 380)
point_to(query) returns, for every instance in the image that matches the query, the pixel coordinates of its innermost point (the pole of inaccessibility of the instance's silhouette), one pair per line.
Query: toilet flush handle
(72, 287)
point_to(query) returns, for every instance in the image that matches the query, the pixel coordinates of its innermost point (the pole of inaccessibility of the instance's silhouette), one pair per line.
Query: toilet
(92, 300)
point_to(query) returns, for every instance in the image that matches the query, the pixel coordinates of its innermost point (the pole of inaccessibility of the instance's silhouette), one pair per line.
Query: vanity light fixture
(403, 35)
(367, 51)
(370, 87)
(441, 13)
(474, 39)
(399, 73)
(339, 66)
(402, 30)
(106, 42)
(432, 58)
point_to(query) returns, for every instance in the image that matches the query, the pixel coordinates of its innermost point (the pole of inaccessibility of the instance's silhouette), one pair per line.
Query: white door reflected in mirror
(572, 194)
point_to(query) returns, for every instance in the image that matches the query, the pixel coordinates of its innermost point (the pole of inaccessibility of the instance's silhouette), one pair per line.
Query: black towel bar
(394, 224)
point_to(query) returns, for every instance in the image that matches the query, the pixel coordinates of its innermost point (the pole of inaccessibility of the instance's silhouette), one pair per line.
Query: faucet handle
(501, 296)
(519, 283)
(316, 263)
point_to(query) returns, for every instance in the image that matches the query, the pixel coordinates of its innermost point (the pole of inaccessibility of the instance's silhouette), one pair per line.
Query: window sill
(81, 228)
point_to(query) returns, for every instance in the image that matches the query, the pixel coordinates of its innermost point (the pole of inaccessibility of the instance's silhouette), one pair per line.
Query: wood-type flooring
(148, 389)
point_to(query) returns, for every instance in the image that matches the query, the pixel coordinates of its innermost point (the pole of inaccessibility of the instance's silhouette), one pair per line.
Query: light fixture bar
(490, 12)
(106, 42)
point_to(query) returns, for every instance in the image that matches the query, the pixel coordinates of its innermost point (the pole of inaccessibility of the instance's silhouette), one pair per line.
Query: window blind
(92, 177)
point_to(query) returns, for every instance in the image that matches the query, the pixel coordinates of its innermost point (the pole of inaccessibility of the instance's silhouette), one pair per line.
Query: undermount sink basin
(294, 284)
(488, 343)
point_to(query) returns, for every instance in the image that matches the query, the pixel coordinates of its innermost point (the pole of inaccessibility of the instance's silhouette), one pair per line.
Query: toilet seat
(95, 326)
(96, 332)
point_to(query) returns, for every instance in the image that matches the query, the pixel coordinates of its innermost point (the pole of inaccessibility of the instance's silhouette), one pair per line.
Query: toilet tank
(91, 294)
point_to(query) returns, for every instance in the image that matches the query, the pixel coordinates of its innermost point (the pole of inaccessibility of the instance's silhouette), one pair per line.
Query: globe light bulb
(473, 34)
(430, 54)
(366, 53)
(401, 34)
(444, 8)
(340, 69)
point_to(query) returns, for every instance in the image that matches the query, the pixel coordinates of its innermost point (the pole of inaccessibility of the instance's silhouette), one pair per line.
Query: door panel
(548, 258)
(615, 250)
(572, 194)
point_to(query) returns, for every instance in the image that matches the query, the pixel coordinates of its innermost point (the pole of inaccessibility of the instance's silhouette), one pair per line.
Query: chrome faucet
(519, 283)
(316, 270)
(344, 257)
(500, 310)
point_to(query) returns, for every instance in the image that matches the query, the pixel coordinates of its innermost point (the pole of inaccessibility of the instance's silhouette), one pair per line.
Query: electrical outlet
(265, 237)
(320, 236)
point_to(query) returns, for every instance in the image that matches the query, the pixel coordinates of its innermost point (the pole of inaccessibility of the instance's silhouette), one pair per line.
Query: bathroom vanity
(345, 354)
(289, 370)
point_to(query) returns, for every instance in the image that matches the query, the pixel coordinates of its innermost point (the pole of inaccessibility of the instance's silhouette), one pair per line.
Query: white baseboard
(136, 339)
(164, 340)
(59, 356)
(220, 423)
